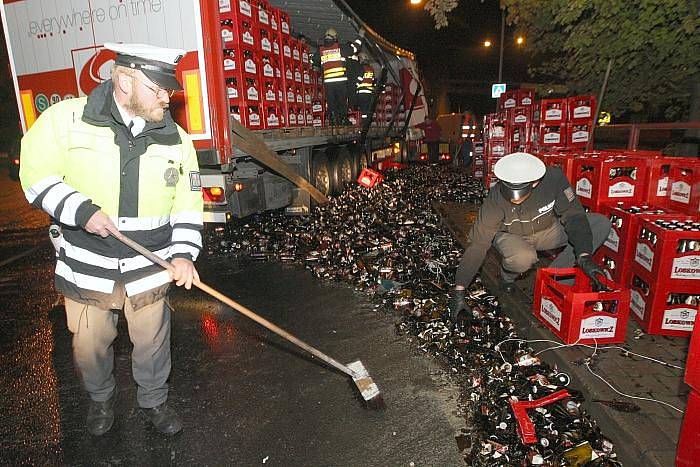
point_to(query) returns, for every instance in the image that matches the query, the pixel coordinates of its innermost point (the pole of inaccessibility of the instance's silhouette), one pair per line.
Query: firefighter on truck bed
(116, 160)
(531, 208)
(333, 57)
(365, 86)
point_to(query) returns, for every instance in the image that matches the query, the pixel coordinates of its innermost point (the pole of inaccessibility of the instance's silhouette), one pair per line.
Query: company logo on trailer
(92, 67)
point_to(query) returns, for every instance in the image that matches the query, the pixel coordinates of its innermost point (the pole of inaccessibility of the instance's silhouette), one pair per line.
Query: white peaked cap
(148, 52)
(519, 167)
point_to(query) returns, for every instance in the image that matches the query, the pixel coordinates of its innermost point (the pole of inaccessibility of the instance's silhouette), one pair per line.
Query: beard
(153, 114)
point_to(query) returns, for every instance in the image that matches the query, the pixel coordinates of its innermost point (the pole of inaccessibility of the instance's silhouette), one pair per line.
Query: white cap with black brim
(517, 173)
(157, 63)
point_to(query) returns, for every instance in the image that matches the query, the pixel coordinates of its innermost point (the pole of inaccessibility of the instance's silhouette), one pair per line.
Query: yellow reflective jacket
(78, 158)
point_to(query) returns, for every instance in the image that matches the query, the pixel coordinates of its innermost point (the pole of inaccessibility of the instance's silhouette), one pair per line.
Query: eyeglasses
(158, 91)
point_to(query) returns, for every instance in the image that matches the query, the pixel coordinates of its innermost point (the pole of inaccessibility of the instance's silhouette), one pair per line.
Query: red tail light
(15, 161)
(423, 157)
(214, 194)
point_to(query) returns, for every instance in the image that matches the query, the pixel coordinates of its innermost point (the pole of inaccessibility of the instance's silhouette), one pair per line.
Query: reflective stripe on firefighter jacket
(365, 82)
(333, 63)
(78, 158)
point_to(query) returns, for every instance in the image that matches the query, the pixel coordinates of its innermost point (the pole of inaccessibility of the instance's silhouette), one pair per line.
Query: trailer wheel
(343, 171)
(321, 174)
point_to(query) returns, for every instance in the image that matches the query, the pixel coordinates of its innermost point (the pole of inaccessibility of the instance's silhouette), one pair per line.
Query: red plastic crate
(272, 117)
(369, 178)
(607, 180)
(265, 39)
(552, 134)
(519, 115)
(571, 311)
(684, 185)
(262, 11)
(665, 255)
(688, 450)
(525, 97)
(270, 91)
(692, 363)
(656, 179)
(508, 100)
(655, 305)
(581, 108)
(578, 133)
(565, 161)
(553, 111)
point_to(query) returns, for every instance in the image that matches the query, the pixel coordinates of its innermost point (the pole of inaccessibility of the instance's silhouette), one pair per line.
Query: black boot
(100, 416)
(164, 419)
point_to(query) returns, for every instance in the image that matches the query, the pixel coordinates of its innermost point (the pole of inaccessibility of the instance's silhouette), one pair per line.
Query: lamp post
(503, 34)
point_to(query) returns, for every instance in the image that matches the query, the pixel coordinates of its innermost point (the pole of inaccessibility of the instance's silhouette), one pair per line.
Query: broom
(355, 370)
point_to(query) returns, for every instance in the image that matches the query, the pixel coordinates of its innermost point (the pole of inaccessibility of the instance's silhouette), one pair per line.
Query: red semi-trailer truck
(56, 52)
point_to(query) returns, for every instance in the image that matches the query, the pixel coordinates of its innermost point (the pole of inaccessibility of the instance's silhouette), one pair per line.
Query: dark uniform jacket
(552, 200)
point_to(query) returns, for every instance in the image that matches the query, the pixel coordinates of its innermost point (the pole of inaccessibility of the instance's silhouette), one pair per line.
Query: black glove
(591, 269)
(457, 303)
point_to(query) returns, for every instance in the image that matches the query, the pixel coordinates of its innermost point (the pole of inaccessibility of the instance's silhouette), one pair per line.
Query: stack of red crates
(665, 275)
(565, 160)
(242, 66)
(477, 165)
(565, 122)
(617, 253)
(269, 77)
(688, 451)
(495, 147)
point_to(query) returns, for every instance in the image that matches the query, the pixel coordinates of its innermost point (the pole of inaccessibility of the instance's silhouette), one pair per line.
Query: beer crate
(603, 179)
(249, 115)
(553, 111)
(692, 363)
(684, 192)
(575, 313)
(660, 307)
(578, 133)
(668, 252)
(552, 134)
(563, 160)
(581, 108)
(688, 450)
(618, 247)
(656, 179)
(272, 117)
(519, 115)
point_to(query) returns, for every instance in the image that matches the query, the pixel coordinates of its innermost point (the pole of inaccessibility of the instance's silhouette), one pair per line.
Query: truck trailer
(56, 52)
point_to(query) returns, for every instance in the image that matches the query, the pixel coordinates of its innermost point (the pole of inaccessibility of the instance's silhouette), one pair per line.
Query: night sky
(454, 53)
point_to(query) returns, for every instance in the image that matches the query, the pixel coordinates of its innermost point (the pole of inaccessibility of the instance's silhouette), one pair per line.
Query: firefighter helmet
(332, 33)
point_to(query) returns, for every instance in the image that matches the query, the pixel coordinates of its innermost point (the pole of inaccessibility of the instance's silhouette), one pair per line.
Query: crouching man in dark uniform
(532, 208)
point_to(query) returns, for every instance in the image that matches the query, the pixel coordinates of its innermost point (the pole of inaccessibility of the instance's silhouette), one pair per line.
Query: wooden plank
(252, 144)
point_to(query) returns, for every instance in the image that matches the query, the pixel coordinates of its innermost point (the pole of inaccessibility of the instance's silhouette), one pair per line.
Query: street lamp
(416, 2)
(520, 40)
(487, 43)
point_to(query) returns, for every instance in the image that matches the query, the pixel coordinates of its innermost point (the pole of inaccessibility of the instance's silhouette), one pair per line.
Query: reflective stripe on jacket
(78, 158)
(365, 82)
(333, 63)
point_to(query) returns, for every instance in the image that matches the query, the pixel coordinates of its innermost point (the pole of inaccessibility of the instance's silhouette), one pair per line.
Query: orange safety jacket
(333, 63)
(365, 82)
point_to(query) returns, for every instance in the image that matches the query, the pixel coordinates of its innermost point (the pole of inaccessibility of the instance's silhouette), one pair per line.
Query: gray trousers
(94, 331)
(519, 253)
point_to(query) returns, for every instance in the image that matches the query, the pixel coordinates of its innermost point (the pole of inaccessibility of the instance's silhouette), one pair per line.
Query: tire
(344, 170)
(321, 173)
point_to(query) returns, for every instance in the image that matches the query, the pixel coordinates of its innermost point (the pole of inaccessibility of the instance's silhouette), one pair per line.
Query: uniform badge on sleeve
(195, 181)
(569, 192)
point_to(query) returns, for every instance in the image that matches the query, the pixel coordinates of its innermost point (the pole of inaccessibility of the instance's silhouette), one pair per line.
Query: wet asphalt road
(246, 396)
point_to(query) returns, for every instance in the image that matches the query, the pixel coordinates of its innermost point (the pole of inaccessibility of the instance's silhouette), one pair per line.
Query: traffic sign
(497, 89)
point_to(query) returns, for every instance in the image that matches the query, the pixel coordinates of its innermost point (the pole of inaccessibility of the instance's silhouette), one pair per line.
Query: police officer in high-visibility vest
(365, 86)
(109, 162)
(335, 76)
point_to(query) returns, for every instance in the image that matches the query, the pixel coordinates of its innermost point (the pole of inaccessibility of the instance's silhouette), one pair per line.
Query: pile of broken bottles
(388, 241)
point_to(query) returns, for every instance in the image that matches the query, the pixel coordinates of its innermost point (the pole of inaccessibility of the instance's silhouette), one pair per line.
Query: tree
(655, 45)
